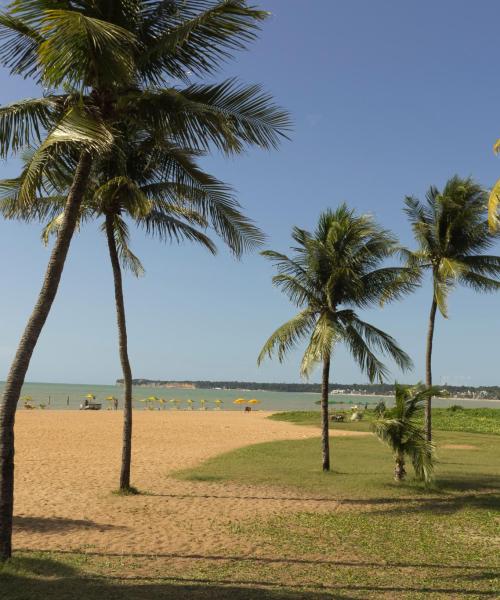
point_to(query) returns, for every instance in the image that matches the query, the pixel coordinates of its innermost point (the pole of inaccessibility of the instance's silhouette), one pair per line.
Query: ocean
(66, 396)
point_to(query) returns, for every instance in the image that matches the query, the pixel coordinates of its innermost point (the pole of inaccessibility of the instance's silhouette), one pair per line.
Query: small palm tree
(451, 230)
(333, 270)
(401, 429)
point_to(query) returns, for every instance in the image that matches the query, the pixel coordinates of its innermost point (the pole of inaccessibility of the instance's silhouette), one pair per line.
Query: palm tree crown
(451, 230)
(336, 269)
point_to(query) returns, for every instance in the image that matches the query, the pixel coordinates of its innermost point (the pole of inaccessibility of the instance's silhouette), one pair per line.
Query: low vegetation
(472, 420)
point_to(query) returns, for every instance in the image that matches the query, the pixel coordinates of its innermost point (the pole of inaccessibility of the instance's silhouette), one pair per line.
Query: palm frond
(196, 38)
(169, 228)
(323, 338)
(286, 337)
(76, 128)
(227, 115)
(493, 200)
(77, 46)
(19, 44)
(362, 336)
(23, 123)
(127, 258)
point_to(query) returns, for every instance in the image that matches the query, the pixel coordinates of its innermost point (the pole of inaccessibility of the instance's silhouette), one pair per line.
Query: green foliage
(473, 420)
(400, 428)
(337, 267)
(112, 63)
(452, 233)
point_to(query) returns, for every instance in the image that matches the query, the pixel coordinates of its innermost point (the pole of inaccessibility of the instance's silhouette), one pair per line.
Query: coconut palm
(336, 269)
(451, 231)
(120, 56)
(401, 429)
(161, 190)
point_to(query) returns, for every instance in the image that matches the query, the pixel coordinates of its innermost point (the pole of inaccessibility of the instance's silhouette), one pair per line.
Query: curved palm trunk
(325, 436)
(428, 370)
(25, 349)
(127, 372)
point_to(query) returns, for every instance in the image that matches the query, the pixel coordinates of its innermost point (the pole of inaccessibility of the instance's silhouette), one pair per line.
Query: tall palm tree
(401, 429)
(167, 195)
(121, 57)
(451, 231)
(333, 271)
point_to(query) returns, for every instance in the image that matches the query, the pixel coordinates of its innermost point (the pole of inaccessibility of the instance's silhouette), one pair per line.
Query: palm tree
(451, 231)
(401, 429)
(334, 270)
(167, 195)
(119, 56)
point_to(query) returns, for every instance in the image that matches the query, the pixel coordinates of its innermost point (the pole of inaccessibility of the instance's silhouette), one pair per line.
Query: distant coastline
(356, 389)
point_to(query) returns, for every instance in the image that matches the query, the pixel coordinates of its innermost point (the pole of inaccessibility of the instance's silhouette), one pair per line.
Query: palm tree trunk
(25, 349)
(325, 438)
(428, 370)
(399, 469)
(127, 372)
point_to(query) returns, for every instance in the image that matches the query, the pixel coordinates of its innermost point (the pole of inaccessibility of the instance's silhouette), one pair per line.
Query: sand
(67, 463)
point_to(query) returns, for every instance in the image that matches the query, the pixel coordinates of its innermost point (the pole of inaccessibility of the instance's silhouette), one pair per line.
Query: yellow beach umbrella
(239, 401)
(90, 397)
(254, 401)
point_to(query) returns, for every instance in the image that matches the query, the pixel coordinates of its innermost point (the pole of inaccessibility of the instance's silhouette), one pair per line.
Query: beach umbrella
(217, 403)
(239, 401)
(90, 397)
(254, 401)
(190, 404)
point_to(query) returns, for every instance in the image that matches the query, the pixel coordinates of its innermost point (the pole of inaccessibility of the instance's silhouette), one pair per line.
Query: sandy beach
(67, 465)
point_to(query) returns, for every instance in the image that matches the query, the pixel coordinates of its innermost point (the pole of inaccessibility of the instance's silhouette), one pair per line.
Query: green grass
(361, 467)
(472, 420)
(382, 539)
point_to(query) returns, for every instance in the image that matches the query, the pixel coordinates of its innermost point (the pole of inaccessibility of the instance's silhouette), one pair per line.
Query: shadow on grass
(34, 578)
(56, 524)
(269, 560)
(444, 505)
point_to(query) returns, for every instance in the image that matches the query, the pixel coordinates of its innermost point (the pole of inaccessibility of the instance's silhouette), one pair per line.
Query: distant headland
(359, 389)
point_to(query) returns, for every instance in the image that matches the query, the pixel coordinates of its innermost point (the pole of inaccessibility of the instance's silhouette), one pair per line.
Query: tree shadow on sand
(58, 525)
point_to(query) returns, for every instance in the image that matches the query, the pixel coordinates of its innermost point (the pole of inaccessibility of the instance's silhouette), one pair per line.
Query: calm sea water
(69, 396)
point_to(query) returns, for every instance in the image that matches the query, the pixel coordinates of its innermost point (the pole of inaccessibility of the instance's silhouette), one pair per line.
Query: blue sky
(387, 97)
